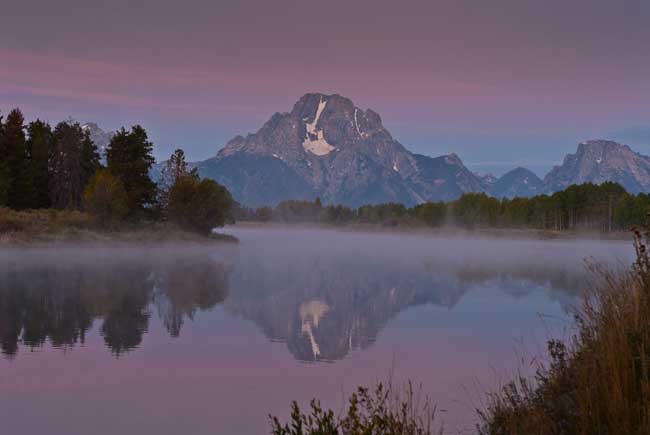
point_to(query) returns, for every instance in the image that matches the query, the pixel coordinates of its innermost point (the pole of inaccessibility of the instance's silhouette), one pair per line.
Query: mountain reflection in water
(324, 300)
(326, 303)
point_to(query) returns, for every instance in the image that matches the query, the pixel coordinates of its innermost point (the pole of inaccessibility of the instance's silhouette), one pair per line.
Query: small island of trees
(56, 178)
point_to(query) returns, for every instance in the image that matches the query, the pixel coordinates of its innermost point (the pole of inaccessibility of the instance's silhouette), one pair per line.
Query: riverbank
(448, 231)
(599, 380)
(44, 227)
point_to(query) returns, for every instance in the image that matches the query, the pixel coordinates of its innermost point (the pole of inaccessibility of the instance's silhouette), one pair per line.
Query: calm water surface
(210, 340)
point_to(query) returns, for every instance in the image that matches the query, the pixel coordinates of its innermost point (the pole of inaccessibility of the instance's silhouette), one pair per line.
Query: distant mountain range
(327, 147)
(597, 161)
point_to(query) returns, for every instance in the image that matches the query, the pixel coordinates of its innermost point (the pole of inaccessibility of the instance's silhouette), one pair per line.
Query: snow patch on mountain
(315, 141)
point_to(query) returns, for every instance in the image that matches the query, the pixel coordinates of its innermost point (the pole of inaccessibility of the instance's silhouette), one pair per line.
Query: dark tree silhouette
(20, 191)
(129, 159)
(39, 148)
(74, 160)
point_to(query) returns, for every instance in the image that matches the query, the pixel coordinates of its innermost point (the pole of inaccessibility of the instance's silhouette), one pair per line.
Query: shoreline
(145, 236)
(157, 233)
(445, 232)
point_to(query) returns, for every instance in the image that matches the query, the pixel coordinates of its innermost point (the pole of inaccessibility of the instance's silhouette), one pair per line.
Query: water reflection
(57, 296)
(322, 299)
(324, 306)
(443, 312)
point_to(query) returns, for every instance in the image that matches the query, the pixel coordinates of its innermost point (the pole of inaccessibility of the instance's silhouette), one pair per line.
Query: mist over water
(202, 340)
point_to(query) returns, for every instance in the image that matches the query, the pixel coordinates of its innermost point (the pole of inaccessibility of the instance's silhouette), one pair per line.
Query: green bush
(199, 205)
(105, 198)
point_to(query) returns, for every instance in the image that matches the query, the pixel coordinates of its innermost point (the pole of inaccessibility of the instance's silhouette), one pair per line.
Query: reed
(597, 382)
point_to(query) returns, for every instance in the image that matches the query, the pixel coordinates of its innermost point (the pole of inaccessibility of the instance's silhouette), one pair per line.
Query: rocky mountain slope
(100, 137)
(597, 161)
(327, 147)
(519, 182)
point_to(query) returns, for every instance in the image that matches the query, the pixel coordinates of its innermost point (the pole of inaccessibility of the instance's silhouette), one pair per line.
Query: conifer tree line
(605, 207)
(61, 168)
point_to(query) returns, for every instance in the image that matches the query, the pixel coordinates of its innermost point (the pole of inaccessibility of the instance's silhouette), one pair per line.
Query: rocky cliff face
(328, 147)
(520, 182)
(100, 137)
(597, 161)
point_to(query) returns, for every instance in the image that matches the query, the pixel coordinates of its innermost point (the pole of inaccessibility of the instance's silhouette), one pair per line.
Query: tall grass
(599, 381)
(42, 221)
(385, 410)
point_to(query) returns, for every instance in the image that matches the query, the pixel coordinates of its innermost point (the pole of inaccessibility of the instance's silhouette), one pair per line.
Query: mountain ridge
(334, 150)
(327, 147)
(597, 161)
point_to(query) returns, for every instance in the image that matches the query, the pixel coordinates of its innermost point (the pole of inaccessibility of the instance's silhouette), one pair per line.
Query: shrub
(199, 206)
(105, 198)
(382, 411)
(598, 382)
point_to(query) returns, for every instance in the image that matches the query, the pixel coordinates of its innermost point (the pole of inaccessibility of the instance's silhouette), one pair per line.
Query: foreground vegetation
(596, 382)
(52, 226)
(597, 208)
(386, 410)
(599, 381)
(61, 185)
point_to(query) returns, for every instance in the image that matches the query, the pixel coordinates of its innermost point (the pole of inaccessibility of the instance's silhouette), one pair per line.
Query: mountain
(488, 180)
(327, 147)
(520, 182)
(100, 137)
(597, 161)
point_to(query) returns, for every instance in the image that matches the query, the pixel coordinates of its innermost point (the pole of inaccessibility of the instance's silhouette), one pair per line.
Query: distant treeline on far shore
(606, 207)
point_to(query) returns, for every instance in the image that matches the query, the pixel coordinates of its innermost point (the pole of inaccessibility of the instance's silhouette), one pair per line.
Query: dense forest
(606, 207)
(61, 168)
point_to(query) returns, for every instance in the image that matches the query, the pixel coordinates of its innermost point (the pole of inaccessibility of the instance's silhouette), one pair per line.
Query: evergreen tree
(39, 147)
(129, 159)
(90, 158)
(175, 168)
(74, 160)
(4, 168)
(20, 191)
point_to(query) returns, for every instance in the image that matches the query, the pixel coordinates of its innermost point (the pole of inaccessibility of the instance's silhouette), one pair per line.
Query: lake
(210, 340)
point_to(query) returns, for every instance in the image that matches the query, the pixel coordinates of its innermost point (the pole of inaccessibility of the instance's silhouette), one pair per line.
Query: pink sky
(500, 83)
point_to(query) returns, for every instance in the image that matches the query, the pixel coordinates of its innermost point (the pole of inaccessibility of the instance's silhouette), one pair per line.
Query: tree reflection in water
(56, 297)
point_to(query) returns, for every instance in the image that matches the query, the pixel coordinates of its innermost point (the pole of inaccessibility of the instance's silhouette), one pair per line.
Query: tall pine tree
(20, 190)
(90, 158)
(39, 148)
(4, 168)
(175, 168)
(74, 160)
(129, 158)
